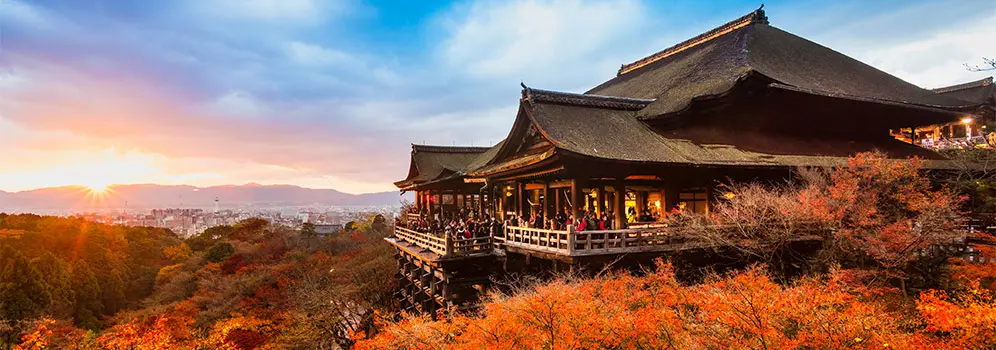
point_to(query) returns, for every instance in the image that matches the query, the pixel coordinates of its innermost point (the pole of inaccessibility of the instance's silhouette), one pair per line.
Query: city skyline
(329, 94)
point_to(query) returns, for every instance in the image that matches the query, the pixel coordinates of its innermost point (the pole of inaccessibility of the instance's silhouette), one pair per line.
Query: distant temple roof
(711, 64)
(433, 162)
(981, 91)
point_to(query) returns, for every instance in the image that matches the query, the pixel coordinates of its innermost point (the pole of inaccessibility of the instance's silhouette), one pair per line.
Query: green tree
(308, 229)
(219, 252)
(88, 298)
(55, 273)
(23, 291)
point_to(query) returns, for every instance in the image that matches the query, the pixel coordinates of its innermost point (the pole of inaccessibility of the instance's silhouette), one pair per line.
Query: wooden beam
(546, 201)
(576, 198)
(600, 200)
(620, 205)
(519, 198)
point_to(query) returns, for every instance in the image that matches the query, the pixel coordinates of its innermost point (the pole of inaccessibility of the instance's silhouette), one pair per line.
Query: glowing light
(729, 195)
(96, 187)
(966, 120)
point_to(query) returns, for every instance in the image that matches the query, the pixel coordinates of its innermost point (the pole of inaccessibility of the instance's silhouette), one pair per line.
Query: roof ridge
(757, 16)
(589, 100)
(981, 82)
(448, 149)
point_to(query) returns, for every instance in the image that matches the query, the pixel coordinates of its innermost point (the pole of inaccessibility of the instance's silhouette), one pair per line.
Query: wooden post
(575, 198)
(620, 203)
(449, 244)
(480, 203)
(428, 202)
(556, 202)
(519, 199)
(571, 237)
(600, 200)
(546, 201)
(671, 191)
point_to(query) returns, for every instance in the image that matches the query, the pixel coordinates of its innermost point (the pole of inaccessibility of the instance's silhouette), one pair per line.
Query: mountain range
(164, 196)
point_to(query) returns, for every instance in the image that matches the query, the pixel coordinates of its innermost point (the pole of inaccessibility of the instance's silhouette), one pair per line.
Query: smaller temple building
(584, 178)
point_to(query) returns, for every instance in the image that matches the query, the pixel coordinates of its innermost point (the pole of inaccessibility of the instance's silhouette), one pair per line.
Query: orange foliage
(745, 310)
(164, 332)
(964, 320)
(884, 210)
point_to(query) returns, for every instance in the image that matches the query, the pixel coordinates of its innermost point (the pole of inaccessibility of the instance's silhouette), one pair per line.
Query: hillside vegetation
(72, 284)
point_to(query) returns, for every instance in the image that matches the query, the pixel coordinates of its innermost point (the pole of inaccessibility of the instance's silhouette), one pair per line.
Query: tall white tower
(216, 205)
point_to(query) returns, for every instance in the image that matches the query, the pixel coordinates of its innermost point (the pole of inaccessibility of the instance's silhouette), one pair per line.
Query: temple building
(968, 132)
(745, 101)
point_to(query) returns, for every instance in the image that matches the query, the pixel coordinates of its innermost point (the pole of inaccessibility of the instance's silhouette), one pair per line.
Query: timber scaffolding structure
(744, 102)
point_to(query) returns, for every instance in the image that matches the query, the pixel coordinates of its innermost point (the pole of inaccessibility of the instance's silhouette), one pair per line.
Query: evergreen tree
(22, 290)
(55, 273)
(88, 298)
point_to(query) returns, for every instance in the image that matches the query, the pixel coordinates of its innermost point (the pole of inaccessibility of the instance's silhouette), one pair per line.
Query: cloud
(239, 103)
(562, 42)
(938, 59)
(314, 55)
(284, 11)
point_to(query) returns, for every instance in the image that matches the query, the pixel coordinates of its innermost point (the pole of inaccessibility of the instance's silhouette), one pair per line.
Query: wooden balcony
(446, 247)
(589, 243)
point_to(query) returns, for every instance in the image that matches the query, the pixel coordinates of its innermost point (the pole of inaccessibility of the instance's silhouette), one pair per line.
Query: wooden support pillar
(620, 204)
(546, 201)
(519, 199)
(671, 190)
(557, 206)
(428, 206)
(600, 200)
(480, 203)
(576, 198)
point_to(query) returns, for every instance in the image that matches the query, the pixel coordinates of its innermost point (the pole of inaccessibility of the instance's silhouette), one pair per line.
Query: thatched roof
(613, 134)
(433, 162)
(713, 63)
(981, 91)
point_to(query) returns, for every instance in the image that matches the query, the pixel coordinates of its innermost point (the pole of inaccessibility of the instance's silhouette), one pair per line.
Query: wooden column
(575, 198)
(519, 199)
(600, 200)
(556, 202)
(671, 190)
(546, 201)
(428, 202)
(620, 204)
(480, 203)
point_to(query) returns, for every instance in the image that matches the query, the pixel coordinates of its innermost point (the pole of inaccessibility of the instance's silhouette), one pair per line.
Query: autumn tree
(23, 294)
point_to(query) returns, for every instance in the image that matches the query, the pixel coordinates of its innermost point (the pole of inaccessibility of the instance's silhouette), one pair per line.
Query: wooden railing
(445, 246)
(423, 240)
(413, 217)
(553, 241)
(572, 243)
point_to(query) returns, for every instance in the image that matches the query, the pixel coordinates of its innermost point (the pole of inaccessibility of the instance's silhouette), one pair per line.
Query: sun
(96, 187)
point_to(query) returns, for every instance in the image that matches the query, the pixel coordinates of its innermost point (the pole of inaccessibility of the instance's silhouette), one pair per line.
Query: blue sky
(331, 93)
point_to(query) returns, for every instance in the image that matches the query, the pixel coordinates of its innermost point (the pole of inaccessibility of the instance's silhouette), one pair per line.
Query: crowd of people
(460, 224)
(464, 223)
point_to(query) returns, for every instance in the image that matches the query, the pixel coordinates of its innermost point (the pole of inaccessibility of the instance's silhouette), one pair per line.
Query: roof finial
(759, 16)
(525, 89)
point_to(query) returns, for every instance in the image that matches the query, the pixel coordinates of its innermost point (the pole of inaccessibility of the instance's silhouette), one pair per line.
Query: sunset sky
(329, 94)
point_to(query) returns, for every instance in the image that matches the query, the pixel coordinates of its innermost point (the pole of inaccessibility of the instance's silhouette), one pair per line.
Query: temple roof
(433, 162)
(713, 63)
(612, 134)
(981, 91)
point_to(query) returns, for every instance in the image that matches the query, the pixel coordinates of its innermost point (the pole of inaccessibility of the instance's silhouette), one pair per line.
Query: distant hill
(160, 196)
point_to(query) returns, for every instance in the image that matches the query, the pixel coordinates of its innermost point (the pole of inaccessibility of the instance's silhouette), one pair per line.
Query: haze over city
(328, 94)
